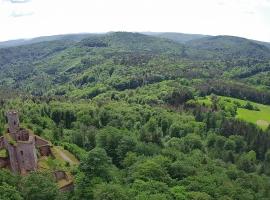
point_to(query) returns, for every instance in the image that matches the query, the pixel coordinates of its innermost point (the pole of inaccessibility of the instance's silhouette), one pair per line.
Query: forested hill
(150, 116)
(19, 42)
(125, 60)
(228, 47)
(177, 37)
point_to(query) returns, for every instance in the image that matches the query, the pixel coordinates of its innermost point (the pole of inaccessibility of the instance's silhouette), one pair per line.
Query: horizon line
(106, 32)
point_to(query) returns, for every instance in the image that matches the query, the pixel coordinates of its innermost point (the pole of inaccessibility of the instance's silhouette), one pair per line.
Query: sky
(32, 18)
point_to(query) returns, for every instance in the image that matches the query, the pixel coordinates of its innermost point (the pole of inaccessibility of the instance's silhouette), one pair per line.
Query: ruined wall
(22, 135)
(26, 155)
(12, 157)
(22, 156)
(43, 146)
(45, 150)
(40, 142)
(2, 143)
(59, 175)
(4, 162)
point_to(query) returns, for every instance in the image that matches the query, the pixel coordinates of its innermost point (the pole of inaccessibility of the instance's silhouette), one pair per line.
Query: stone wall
(68, 184)
(45, 150)
(27, 155)
(59, 175)
(40, 141)
(22, 135)
(22, 156)
(4, 162)
(13, 122)
(2, 143)
(68, 187)
(12, 153)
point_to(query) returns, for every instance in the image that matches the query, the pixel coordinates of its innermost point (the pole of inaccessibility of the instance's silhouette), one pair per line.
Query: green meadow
(261, 116)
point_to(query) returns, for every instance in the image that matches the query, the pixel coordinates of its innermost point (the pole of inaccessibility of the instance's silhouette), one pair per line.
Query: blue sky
(32, 18)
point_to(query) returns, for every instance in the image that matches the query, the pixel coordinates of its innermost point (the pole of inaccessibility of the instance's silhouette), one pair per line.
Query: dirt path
(64, 156)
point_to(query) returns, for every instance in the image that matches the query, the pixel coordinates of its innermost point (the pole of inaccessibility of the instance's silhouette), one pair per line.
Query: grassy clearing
(61, 154)
(261, 117)
(59, 161)
(205, 101)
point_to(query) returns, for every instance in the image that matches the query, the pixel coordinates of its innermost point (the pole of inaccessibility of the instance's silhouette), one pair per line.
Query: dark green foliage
(96, 164)
(151, 132)
(237, 90)
(116, 143)
(93, 42)
(126, 105)
(179, 96)
(247, 162)
(75, 150)
(110, 191)
(228, 47)
(9, 193)
(255, 137)
(38, 186)
(9, 178)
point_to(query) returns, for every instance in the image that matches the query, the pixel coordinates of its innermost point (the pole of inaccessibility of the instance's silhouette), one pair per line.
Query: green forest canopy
(148, 117)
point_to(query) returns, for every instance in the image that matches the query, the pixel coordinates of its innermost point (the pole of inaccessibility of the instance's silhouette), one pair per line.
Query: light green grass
(61, 154)
(205, 101)
(3, 153)
(261, 117)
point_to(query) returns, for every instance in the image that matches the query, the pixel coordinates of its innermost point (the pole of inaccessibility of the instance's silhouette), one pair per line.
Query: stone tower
(13, 122)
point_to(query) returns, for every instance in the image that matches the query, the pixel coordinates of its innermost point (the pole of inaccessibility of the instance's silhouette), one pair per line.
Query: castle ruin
(22, 146)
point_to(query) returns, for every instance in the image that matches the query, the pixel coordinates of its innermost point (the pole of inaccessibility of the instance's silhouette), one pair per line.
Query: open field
(261, 117)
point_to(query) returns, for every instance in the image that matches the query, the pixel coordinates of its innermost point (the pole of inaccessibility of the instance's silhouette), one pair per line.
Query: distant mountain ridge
(19, 42)
(182, 38)
(177, 37)
(231, 47)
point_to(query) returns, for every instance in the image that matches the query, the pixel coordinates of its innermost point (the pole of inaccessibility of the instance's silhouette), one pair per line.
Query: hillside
(20, 42)
(64, 61)
(229, 47)
(60, 62)
(177, 37)
(151, 117)
(255, 113)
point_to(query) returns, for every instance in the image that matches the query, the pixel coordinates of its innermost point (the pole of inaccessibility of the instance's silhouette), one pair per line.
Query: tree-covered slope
(20, 42)
(123, 60)
(177, 37)
(64, 60)
(148, 118)
(229, 47)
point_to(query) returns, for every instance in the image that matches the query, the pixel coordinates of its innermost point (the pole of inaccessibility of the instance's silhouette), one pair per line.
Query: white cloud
(246, 18)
